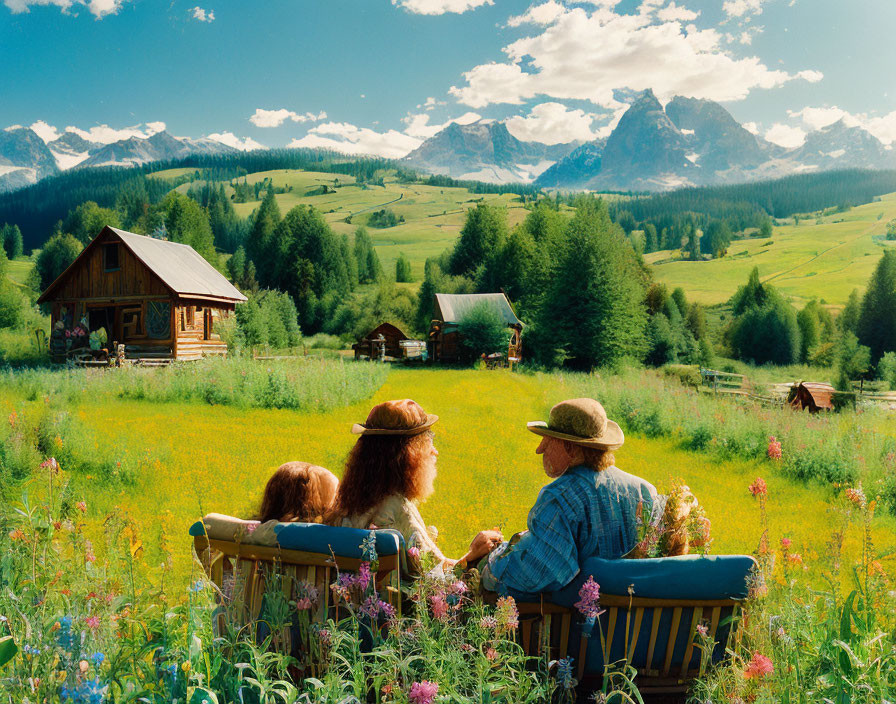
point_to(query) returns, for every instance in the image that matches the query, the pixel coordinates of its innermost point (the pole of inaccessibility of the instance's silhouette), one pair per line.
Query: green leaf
(8, 650)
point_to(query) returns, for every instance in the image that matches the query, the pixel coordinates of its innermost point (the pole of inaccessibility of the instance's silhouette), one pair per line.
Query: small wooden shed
(450, 308)
(811, 396)
(382, 341)
(160, 299)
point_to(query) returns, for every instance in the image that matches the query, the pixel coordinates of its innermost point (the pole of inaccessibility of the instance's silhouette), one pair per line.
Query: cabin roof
(454, 306)
(180, 267)
(385, 328)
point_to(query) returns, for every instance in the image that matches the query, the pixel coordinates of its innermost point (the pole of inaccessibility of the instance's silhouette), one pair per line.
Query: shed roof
(180, 267)
(454, 306)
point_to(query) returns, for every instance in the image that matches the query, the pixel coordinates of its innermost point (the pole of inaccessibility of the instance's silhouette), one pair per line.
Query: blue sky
(357, 74)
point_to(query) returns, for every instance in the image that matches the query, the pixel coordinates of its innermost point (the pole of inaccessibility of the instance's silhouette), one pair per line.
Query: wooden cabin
(811, 396)
(386, 340)
(449, 309)
(160, 299)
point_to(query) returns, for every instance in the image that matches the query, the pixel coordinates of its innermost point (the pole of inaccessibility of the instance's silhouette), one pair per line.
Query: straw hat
(582, 421)
(405, 417)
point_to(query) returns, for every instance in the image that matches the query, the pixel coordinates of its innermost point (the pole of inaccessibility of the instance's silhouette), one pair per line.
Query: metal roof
(454, 306)
(180, 267)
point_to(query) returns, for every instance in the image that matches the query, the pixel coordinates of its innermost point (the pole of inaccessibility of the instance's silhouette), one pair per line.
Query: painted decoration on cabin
(158, 319)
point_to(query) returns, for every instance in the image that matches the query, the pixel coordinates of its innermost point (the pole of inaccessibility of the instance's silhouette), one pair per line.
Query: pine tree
(403, 269)
(12, 241)
(483, 234)
(877, 318)
(261, 247)
(848, 320)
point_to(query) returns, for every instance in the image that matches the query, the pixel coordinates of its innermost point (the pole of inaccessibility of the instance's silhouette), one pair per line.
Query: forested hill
(37, 208)
(745, 205)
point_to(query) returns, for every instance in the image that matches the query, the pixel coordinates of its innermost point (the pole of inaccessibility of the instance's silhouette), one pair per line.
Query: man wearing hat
(589, 510)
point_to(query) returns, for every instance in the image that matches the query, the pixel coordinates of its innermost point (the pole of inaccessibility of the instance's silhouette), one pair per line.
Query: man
(589, 510)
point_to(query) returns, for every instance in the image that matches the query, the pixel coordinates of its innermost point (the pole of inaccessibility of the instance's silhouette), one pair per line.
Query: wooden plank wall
(190, 342)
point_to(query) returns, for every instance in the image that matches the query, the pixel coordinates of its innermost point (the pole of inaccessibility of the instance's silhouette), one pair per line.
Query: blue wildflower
(368, 547)
(98, 658)
(564, 674)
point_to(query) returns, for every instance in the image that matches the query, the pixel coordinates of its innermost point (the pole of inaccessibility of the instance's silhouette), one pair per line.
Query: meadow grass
(18, 270)
(195, 459)
(824, 261)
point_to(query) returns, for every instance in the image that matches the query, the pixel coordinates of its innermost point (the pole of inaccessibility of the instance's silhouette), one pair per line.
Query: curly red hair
(298, 491)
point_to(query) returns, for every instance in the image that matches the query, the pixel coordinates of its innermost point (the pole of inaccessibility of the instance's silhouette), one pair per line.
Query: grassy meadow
(825, 258)
(189, 458)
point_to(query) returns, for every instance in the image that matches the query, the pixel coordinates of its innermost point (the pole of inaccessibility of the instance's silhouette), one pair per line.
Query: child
(298, 492)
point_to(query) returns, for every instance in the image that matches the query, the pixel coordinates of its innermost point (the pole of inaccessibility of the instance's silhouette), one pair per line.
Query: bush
(687, 375)
(482, 331)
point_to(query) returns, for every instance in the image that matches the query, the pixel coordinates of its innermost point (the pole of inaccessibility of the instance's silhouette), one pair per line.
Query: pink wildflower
(491, 654)
(758, 487)
(703, 630)
(759, 667)
(457, 587)
(786, 543)
(856, 496)
(251, 526)
(414, 552)
(795, 558)
(774, 449)
(487, 622)
(303, 604)
(50, 464)
(82, 506)
(589, 595)
(88, 551)
(324, 636)
(506, 614)
(92, 622)
(423, 692)
(364, 575)
(439, 607)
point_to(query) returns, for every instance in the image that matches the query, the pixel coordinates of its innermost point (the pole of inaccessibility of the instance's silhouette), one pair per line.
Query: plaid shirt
(580, 514)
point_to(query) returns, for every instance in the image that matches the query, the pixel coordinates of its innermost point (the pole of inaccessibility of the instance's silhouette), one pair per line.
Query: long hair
(598, 460)
(298, 491)
(377, 467)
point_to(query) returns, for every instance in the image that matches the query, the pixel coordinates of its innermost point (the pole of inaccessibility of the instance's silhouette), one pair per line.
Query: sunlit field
(195, 459)
(825, 261)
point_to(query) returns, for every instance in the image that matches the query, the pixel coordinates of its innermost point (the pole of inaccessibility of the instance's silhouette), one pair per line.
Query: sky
(380, 76)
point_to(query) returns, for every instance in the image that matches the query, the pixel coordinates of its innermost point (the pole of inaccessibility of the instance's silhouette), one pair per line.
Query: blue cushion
(314, 537)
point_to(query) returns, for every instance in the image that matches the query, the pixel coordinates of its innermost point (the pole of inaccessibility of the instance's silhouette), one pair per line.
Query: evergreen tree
(765, 228)
(848, 320)
(482, 330)
(767, 335)
(810, 332)
(716, 238)
(681, 301)
(87, 221)
(853, 361)
(595, 307)
(260, 245)
(696, 321)
(236, 266)
(186, 222)
(369, 268)
(877, 318)
(651, 238)
(693, 244)
(483, 234)
(403, 269)
(12, 241)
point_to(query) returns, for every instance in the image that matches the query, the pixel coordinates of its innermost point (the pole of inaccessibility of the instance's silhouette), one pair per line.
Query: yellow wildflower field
(200, 459)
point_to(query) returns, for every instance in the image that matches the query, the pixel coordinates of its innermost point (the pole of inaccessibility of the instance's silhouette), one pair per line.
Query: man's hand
(484, 542)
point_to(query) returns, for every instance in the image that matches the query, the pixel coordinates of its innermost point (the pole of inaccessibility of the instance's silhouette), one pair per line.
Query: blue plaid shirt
(581, 514)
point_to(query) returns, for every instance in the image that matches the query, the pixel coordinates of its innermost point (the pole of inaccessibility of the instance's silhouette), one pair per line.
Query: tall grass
(836, 450)
(312, 384)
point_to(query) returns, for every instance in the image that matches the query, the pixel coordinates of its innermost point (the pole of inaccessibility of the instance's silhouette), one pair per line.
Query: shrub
(482, 330)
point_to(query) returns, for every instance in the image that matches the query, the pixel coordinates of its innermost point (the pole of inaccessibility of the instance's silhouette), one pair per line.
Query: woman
(390, 468)
(298, 492)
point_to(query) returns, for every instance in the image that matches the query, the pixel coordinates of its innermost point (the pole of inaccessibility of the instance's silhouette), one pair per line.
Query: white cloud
(350, 139)
(275, 118)
(431, 103)
(785, 135)
(440, 7)
(198, 13)
(231, 140)
(98, 8)
(815, 118)
(751, 127)
(741, 8)
(418, 124)
(538, 14)
(46, 132)
(107, 135)
(589, 55)
(676, 13)
(553, 123)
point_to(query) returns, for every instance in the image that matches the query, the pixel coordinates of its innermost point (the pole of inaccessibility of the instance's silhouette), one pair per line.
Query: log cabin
(160, 299)
(449, 309)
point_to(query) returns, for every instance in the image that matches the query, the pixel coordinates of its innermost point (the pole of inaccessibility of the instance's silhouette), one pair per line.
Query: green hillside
(823, 259)
(433, 216)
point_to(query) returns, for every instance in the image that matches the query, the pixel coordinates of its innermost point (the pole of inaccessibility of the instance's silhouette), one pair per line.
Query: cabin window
(110, 257)
(132, 322)
(191, 316)
(158, 319)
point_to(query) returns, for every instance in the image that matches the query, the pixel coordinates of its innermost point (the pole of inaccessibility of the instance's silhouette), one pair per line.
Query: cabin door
(105, 317)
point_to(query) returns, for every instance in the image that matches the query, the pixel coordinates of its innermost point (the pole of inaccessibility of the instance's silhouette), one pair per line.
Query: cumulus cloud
(107, 135)
(676, 13)
(785, 135)
(815, 118)
(46, 132)
(440, 7)
(553, 123)
(231, 140)
(98, 8)
(198, 13)
(588, 55)
(275, 118)
(418, 124)
(742, 8)
(751, 127)
(350, 139)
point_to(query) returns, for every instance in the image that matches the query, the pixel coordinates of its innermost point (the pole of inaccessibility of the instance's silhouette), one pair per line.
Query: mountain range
(25, 158)
(689, 142)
